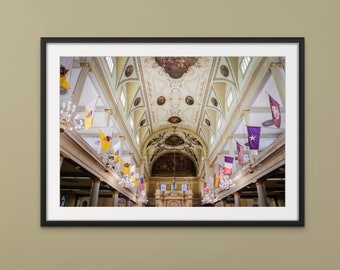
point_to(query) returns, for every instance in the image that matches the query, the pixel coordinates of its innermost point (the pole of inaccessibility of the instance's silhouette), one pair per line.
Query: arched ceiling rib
(191, 95)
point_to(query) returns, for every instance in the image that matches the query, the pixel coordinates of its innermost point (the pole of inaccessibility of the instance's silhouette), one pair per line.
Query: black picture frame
(292, 48)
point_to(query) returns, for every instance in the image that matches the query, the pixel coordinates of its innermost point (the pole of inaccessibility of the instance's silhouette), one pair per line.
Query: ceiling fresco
(176, 66)
(184, 104)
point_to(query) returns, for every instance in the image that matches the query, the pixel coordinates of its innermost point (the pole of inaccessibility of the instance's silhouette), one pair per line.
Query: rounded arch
(172, 163)
(173, 204)
(169, 130)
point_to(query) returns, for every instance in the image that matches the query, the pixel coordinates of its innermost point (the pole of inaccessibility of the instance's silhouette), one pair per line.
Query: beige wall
(25, 245)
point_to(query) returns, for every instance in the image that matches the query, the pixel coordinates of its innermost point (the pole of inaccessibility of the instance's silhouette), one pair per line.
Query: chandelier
(142, 199)
(67, 118)
(126, 182)
(108, 160)
(208, 198)
(227, 182)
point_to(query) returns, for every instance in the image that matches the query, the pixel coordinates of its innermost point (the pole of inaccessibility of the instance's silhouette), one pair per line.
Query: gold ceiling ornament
(86, 64)
(276, 64)
(245, 112)
(108, 111)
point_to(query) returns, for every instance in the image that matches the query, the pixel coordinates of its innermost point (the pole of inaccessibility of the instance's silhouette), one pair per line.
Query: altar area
(173, 197)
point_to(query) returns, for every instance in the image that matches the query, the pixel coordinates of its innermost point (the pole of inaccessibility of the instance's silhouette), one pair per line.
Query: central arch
(171, 163)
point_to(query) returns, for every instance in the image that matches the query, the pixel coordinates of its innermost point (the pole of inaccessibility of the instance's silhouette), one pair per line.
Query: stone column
(62, 156)
(188, 198)
(71, 199)
(115, 198)
(159, 196)
(141, 172)
(261, 193)
(281, 200)
(127, 202)
(237, 199)
(94, 192)
(207, 176)
(223, 202)
(278, 72)
(141, 168)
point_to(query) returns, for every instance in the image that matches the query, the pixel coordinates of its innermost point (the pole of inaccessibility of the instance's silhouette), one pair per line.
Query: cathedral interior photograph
(172, 131)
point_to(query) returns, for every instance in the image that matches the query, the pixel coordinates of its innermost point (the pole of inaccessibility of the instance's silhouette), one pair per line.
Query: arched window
(244, 64)
(110, 63)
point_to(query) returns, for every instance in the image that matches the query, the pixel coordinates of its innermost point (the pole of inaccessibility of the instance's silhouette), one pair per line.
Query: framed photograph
(172, 131)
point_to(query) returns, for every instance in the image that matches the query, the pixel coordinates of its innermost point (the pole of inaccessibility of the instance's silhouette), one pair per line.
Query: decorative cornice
(268, 160)
(79, 151)
(112, 102)
(244, 101)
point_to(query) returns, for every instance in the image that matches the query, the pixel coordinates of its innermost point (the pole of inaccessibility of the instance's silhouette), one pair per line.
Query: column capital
(63, 155)
(95, 179)
(275, 64)
(236, 193)
(245, 112)
(260, 181)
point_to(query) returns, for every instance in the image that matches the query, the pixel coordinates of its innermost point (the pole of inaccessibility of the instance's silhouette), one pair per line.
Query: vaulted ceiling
(190, 105)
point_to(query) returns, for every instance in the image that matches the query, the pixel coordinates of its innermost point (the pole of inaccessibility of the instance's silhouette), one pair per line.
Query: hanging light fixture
(227, 182)
(125, 182)
(142, 199)
(67, 118)
(208, 197)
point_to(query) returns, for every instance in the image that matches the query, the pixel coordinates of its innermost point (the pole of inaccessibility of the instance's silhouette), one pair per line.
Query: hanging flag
(221, 170)
(89, 112)
(134, 176)
(115, 150)
(105, 136)
(64, 85)
(228, 165)
(142, 184)
(240, 153)
(133, 173)
(125, 167)
(136, 182)
(276, 114)
(254, 137)
(206, 188)
(216, 180)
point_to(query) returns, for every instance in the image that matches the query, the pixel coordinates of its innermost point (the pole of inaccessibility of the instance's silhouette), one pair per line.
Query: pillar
(71, 199)
(62, 157)
(141, 168)
(207, 175)
(115, 198)
(223, 202)
(278, 73)
(237, 199)
(261, 193)
(94, 192)
(141, 172)
(127, 202)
